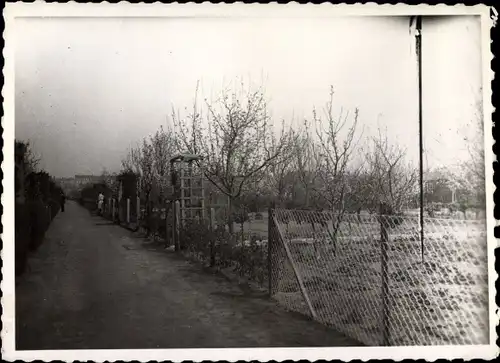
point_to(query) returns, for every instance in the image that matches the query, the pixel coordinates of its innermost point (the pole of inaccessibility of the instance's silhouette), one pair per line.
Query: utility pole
(418, 36)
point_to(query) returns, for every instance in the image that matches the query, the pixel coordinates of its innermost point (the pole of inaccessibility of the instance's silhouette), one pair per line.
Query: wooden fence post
(384, 241)
(296, 270)
(211, 222)
(121, 213)
(166, 224)
(176, 225)
(138, 210)
(270, 244)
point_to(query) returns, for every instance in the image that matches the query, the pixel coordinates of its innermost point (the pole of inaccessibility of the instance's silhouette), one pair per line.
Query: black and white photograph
(184, 181)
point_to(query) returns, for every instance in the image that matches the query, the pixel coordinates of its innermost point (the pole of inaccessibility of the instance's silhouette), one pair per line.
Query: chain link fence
(368, 276)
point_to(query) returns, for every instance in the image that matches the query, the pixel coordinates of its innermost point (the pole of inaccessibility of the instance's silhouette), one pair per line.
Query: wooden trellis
(188, 187)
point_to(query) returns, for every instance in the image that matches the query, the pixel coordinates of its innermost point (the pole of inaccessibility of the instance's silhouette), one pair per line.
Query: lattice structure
(364, 275)
(187, 186)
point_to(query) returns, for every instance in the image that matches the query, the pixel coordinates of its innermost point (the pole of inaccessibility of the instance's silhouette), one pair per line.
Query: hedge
(33, 219)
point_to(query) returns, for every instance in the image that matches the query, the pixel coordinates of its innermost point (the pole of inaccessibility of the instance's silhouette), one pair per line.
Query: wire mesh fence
(366, 275)
(369, 276)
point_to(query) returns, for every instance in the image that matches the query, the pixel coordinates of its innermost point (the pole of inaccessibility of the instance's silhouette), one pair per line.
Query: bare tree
(109, 180)
(164, 146)
(140, 160)
(359, 193)
(391, 180)
(335, 159)
(470, 174)
(279, 177)
(466, 178)
(305, 152)
(132, 160)
(31, 159)
(235, 140)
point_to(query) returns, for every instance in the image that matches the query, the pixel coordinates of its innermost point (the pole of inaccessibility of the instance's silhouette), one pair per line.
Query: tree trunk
(242, 229)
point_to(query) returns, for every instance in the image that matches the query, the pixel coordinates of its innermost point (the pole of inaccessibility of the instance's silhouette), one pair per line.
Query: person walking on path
(62, 201)
(100, 203)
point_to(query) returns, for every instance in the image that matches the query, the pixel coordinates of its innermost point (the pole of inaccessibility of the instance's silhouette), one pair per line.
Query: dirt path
(94, 286)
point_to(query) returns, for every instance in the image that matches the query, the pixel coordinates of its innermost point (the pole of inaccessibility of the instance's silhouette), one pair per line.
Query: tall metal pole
(420, 123)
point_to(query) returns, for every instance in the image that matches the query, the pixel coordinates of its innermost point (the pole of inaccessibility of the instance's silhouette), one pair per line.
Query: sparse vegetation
(335, 185)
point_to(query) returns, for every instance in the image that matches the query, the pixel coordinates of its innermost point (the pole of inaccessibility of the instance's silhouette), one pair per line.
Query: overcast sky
(87, 89)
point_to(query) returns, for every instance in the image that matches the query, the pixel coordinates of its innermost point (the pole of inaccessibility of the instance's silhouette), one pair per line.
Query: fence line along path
(364, 275)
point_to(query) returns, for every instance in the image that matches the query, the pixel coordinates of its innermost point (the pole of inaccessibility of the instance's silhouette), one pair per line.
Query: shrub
(197, 238)
(223, 249)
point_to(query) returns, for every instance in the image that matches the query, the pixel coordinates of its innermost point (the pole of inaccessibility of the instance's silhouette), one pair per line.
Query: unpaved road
(92, 285)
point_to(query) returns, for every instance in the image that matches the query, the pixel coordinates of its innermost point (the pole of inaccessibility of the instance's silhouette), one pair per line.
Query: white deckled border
(207, 9)
(124, 9)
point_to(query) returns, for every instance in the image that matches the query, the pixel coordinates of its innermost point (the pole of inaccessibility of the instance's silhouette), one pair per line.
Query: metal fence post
(384, 241)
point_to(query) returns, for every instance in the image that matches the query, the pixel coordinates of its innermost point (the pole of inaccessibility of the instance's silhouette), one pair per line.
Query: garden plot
(408, 226)
(446, 296)
(443, 300)
(257, 227)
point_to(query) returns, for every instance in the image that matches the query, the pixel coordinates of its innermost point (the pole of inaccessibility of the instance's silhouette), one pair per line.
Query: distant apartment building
(76, 183)
(65, 182)
(82, 180)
